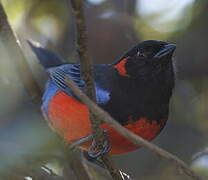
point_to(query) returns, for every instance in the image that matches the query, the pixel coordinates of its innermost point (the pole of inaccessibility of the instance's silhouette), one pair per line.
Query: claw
(94, 151)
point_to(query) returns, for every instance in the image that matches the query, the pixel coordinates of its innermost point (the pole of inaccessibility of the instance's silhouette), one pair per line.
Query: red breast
(70, 118)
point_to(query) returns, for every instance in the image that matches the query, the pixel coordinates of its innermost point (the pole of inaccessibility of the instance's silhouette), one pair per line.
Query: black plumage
(142, 87)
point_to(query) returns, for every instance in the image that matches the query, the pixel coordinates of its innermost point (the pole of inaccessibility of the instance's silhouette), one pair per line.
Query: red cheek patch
(121, 67)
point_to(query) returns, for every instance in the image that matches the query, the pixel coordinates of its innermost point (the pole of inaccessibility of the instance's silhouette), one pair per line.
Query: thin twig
(76, 167)
(104, 116)
(88, 77)
(86, 64)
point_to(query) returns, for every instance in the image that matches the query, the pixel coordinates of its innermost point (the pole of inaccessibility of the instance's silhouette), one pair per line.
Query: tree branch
(104, 116)
(88, 77)
(9, 40)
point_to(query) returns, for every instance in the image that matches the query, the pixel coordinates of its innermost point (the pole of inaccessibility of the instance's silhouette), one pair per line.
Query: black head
(146, 59)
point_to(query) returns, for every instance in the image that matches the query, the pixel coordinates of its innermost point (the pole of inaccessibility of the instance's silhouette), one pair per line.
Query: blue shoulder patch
(102, 95)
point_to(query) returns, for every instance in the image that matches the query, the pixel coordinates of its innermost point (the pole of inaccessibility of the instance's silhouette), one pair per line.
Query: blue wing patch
(56, 82)
(58, 75)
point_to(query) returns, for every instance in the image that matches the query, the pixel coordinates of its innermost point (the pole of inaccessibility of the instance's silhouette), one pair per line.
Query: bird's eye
(141, 55)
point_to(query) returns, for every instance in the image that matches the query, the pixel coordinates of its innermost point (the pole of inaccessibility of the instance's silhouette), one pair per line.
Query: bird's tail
(47, 58)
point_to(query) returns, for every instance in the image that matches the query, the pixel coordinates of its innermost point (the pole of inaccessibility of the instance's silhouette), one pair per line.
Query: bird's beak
(166, 51)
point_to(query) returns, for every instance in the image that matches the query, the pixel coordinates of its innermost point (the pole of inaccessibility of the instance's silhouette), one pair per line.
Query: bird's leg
(81, 141)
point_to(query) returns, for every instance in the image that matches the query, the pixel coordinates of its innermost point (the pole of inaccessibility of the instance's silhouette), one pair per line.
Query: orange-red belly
(70, 119)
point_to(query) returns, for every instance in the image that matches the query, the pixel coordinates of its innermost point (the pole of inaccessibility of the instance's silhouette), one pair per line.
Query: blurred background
(113, 26)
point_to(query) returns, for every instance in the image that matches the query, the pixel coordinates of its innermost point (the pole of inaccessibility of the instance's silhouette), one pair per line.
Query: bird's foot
(95, 150)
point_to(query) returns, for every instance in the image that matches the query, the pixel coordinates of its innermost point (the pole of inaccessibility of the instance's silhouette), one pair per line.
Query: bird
(135, 90)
